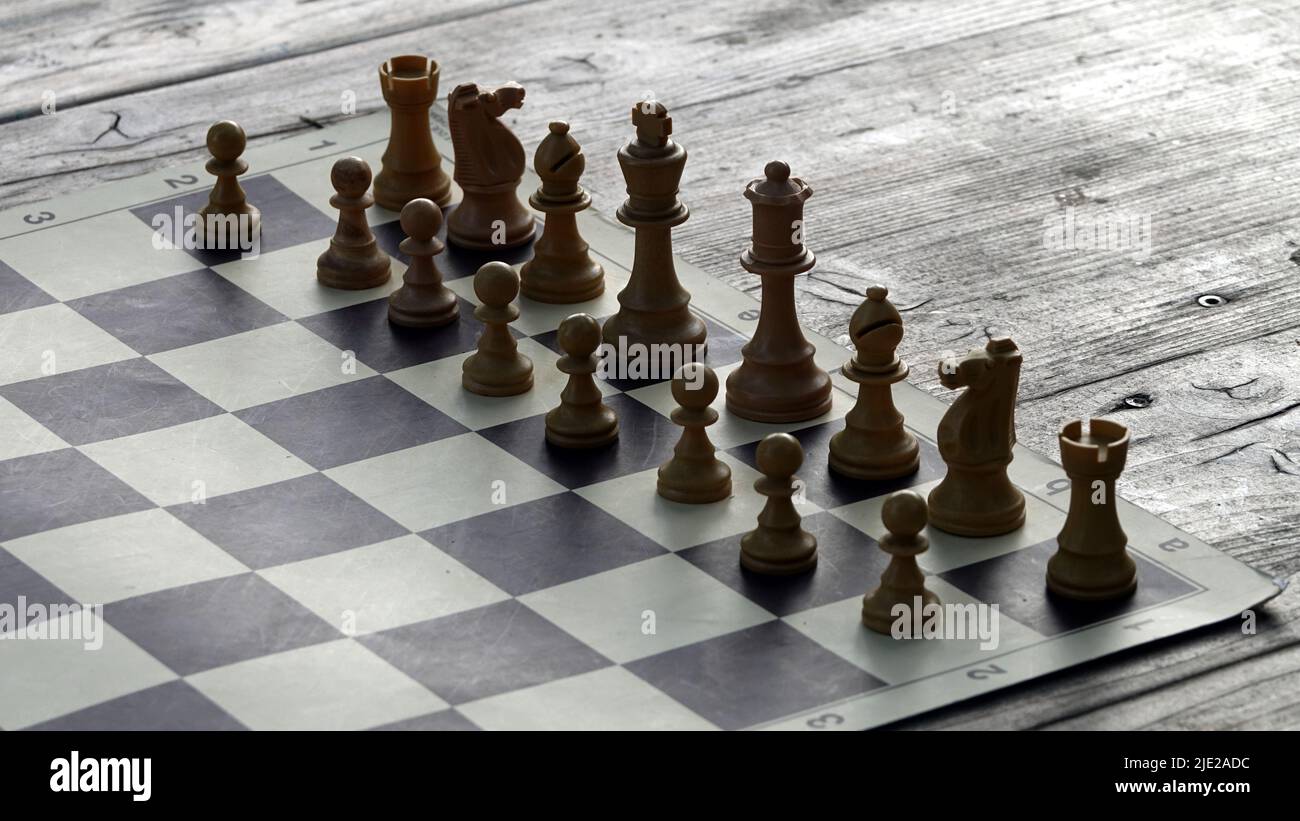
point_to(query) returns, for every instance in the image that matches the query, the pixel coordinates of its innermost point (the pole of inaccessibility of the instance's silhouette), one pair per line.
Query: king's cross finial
(653, 125)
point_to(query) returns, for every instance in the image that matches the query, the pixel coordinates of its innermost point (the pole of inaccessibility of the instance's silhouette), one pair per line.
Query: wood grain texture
(942, 139)
(90, 52)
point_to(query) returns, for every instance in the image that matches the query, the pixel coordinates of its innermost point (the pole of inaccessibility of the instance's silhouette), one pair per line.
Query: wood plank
(85, 53)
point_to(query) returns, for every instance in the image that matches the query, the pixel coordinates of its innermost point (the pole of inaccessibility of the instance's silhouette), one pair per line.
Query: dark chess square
(18, 294)
(754, 675)
(210, 624)
(59, 488)
(197, 307)
(645, 440)
(287, 219)
(542, 543)
(175, 705)
(446, 655)
(826, 488)
(321, 427)
(365, 330)
(1016, 582)
(108, 401)
(849, 562)
(288, 521)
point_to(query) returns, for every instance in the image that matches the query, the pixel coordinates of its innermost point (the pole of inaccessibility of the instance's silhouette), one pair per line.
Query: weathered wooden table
(949, 145)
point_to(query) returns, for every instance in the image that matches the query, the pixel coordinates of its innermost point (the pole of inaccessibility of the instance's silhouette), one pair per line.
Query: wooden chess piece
(904, 515)
(561, 270)
(228, 221)
(422, 301)
(489, 167)
(653, 306)
(976, 437)
(412, 167)
(1092, 562)
(582, 420)
(354, 261)
(874, 444)
(779, 546)
(778, 381)
(694, 475)
(497, 368)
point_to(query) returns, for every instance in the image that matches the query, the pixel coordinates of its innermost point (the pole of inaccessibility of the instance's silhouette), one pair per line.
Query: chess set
(374, 474)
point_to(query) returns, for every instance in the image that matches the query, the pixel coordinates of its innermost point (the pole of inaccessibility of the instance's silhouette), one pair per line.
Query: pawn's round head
(905, 513)
(350, 176)
(496, 284)
(421, 219)
(226, 140)
(776, 181)
(777, 172)
(695, 385)
(780, 455)
(579, 335)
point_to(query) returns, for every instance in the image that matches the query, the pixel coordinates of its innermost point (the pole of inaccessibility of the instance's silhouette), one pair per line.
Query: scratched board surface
(294, 517)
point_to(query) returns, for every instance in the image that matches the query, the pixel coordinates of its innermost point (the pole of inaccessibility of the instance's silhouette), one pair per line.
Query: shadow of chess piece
(422, 301)
(694, 475)
(354, 261)
(653, 305)
(904, 516)
(228, 221)
(1092, 562)
(779, 546)
(489, 167)
(874, 444)
(582, 420)
(976, 437)
(561, 270)
(497, 368)
(778, 381)
(412, 167)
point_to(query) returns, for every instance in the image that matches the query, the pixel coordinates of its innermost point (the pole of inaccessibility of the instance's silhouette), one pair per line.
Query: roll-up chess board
(294, 516)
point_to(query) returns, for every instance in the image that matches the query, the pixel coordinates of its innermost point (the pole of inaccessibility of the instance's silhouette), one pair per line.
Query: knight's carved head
(510, 95)
(979, 368)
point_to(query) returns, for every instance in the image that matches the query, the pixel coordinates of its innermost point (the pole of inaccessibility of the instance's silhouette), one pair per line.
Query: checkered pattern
(296, 518)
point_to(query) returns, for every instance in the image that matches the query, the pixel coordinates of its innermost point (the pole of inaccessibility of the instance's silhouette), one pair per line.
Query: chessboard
(294, 516)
